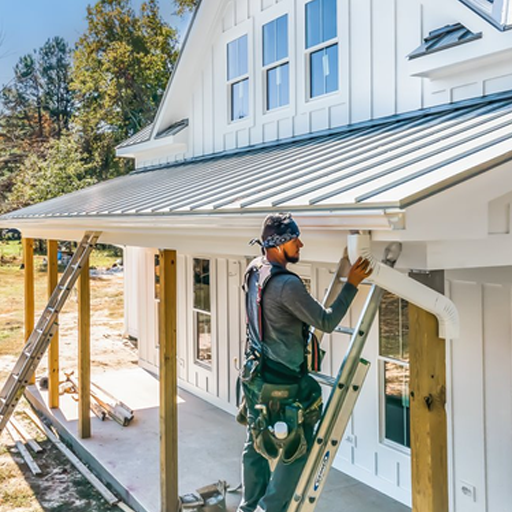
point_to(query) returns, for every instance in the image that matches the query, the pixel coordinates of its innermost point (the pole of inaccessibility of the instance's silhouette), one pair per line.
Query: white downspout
(409, 289)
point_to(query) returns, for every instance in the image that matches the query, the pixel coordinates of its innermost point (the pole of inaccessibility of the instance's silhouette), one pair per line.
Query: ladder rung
(344, 330)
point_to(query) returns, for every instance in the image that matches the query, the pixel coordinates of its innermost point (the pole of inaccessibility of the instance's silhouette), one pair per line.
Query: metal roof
(141, 136)
(391, 163)
(443, 38)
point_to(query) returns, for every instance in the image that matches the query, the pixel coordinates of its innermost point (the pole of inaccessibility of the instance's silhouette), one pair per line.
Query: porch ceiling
(371, 167)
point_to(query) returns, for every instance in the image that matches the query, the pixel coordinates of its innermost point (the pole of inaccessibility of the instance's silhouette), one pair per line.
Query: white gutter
(409, 289)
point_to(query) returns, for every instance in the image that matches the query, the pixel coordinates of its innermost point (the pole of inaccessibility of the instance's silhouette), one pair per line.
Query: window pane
(157, 276)
(243, 66)
(237, 58)
(329, 19)
(282, 37)
(240, 100)
(394, 327)
(313, 28)
(331, 68)
(203, 332)
(278, 86)
(397, 416)
(269, 43)
(275, 40)
(232, 60)
(324, 71)
(321, 22)
(202, 284)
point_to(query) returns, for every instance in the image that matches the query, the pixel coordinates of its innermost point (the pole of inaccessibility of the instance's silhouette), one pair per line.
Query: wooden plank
(168, 383)
(22, 449)
(29, 295)
(25, 436)
(53, 350)
(84, 352)
(109, 497)
(429, 445)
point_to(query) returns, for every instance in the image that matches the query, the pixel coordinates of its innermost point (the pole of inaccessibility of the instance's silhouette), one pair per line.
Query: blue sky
(26, 25)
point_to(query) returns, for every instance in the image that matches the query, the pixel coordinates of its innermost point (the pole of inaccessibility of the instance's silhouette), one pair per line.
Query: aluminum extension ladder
(345, 391)
(43, 332)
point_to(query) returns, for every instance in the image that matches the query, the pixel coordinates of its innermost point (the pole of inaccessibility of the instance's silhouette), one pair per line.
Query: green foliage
(121, 66)
(60, 170)
(105, 91)
(37, 105)
(185, 6)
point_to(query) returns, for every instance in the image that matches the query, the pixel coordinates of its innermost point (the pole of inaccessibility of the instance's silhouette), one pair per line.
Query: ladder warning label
(322, 471)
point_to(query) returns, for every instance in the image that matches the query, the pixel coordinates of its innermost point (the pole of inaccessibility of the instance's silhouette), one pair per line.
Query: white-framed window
(276, 65)
(238, 78)
(394, 371)
(498, 12)
(322, 47)
(202, 311)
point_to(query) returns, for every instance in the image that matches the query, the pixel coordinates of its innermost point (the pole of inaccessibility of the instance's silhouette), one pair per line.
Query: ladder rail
(345, 390)
(45, 329)
(337, 397)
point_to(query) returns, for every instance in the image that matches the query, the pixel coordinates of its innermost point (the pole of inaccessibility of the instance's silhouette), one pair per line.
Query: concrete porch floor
(210, 443)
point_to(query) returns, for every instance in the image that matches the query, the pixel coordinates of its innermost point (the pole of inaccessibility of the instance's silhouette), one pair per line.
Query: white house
(391, 116)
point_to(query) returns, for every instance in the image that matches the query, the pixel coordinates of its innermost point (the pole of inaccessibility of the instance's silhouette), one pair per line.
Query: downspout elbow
(409, 289)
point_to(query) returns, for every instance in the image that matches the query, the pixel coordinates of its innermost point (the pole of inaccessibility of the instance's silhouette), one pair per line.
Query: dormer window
(238, 78)
(322, 46)
(497, 12)
(276, 65)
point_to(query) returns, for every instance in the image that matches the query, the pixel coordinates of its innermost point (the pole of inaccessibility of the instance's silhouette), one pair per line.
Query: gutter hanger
(409, 289)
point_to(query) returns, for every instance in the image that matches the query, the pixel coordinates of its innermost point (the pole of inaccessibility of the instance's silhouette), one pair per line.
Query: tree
(38, 103)
(185, 6)
(34, 107)
(60, 170)
(57, 97)
(121, 66)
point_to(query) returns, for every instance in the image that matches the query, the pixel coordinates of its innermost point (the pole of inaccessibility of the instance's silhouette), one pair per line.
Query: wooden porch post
(84, 352)
(429, 445)
(168, 383)
(53, 350)
(29, 296)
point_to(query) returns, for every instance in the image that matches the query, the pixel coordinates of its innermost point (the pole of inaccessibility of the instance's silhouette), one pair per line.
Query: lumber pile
(103, 404)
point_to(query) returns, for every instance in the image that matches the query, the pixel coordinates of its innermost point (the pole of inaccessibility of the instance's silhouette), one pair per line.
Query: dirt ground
(60, 488)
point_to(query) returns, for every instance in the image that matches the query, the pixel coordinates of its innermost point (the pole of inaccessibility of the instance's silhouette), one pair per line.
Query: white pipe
(409, 289)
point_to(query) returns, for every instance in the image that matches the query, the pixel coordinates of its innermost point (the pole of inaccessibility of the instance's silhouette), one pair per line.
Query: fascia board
(369, 219)
(200, 26)
(467, 56)
(150, 145)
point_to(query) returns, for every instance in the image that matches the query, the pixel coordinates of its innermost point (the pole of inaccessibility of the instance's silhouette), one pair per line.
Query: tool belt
(286, 403)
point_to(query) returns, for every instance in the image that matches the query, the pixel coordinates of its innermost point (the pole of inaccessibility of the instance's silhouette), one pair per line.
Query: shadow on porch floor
(210, 443)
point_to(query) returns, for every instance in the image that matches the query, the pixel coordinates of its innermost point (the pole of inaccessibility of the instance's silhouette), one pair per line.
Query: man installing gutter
(282, 401)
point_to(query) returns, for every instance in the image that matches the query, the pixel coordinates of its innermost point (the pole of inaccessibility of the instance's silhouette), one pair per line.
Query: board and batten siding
(375, 76)
(217, 383)
(480, 394)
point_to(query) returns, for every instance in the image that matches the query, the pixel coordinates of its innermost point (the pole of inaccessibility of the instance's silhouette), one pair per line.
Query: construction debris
(211, 498)
(103, 403)
(100, 487)
(22, 449)
(25, 436)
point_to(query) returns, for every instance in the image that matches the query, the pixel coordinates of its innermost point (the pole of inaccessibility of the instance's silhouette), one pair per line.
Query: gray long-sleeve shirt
(287, 305)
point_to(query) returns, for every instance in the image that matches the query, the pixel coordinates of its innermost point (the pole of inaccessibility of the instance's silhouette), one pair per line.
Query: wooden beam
(168, 383)
(53, 350)
(84, 352)
(29, 295)
(429, 445)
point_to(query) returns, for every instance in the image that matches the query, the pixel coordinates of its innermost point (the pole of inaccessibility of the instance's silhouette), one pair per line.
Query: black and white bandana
(277, 230)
